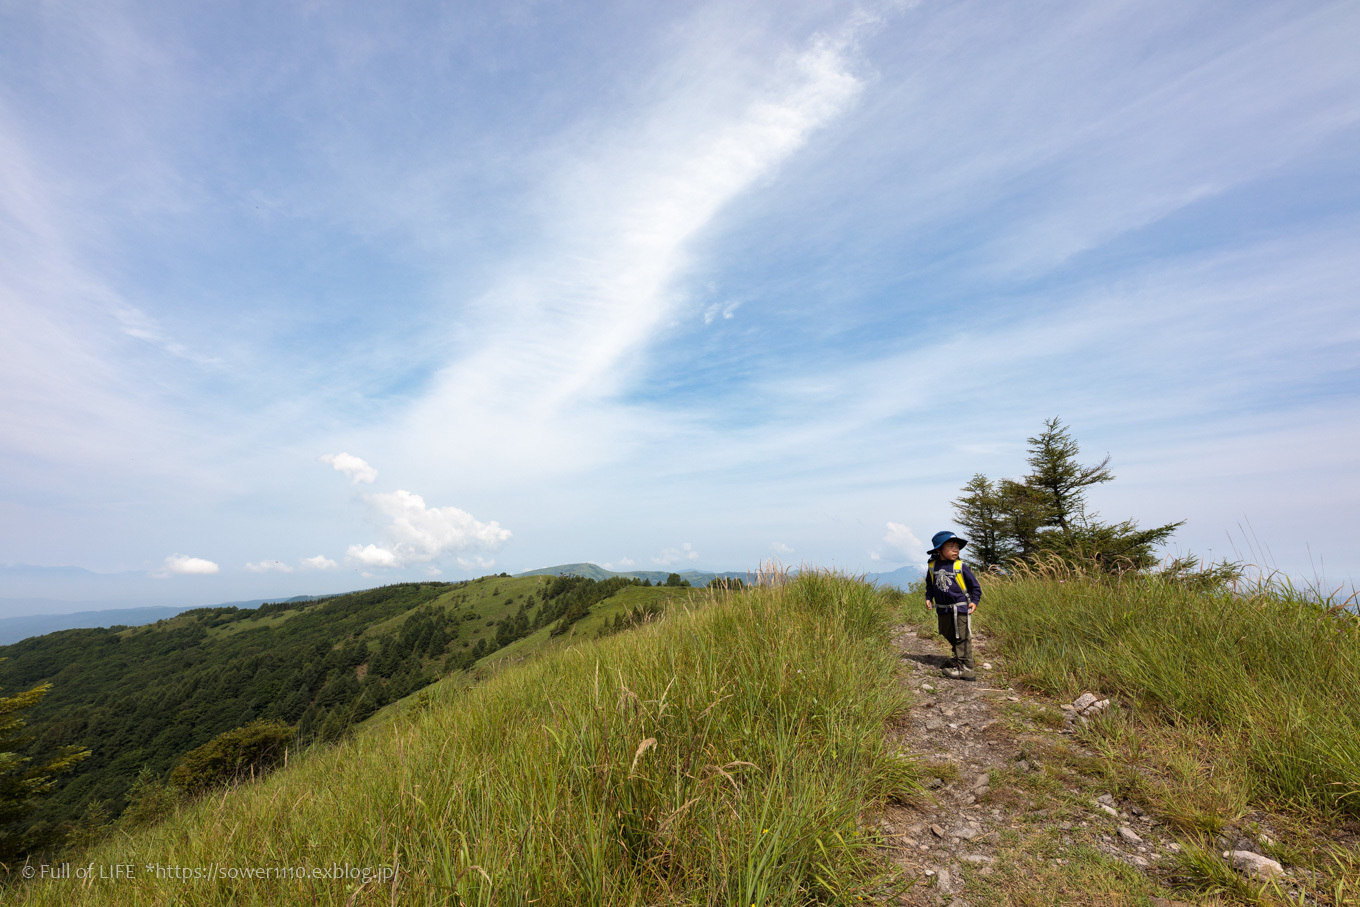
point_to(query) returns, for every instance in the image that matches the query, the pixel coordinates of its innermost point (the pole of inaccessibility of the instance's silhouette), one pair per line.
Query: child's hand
(972, 606)
(927, 604)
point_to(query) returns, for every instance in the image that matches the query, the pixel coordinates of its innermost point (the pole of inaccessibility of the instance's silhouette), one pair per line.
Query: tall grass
(1269, 669)
(722, 755)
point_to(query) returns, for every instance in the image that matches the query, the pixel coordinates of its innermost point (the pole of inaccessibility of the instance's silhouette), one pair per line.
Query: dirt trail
(975, 736)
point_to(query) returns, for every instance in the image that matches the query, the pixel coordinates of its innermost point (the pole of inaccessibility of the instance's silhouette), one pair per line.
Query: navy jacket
(942, 588)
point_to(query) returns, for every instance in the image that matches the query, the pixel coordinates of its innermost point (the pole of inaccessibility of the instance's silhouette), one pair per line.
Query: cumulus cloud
(623, 563)
(268, 567)
(901, 544)
(476, 562)
(357, 469)
(320, 562)
(672, 556)
(184, 565)
(371, 556)
(417, 534)
(781, 548)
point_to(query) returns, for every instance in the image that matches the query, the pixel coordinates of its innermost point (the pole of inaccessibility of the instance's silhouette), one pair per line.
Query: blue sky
(308, 297)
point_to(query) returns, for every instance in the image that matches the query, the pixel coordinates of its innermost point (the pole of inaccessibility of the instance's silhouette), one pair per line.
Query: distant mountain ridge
(596, 572)
(13, 629)
(901, 578)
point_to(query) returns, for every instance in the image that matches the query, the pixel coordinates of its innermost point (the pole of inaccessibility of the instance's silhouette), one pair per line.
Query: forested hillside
(139, 698)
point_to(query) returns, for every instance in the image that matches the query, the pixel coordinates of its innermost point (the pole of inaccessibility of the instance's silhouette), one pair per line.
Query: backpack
(958, 575)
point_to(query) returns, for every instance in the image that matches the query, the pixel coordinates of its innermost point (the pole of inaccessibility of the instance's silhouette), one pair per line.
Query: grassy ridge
(721, 756)
(1270, 681)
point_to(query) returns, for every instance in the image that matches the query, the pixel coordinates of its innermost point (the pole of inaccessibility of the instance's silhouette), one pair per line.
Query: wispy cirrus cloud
(561, 334)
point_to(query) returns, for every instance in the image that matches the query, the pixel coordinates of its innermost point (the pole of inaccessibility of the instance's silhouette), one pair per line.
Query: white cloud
(268, 567)
(357, 469)
(416, 534)
(183, 565)
(320, 562)
(433, 571)
(718, 310)
(781, 548)
(476, 562)
(560, 332)
(902, 542)
(671, 556)
(371, 556)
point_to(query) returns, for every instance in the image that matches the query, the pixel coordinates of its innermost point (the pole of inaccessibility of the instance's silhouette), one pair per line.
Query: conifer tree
(22, 782)
(980, 511)
(1053, 459)
(1044, 514)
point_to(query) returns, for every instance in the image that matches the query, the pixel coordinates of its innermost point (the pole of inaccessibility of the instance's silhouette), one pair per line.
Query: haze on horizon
(306, 298)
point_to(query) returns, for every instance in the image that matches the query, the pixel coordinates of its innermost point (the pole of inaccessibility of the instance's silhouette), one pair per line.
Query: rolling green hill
(139, 698)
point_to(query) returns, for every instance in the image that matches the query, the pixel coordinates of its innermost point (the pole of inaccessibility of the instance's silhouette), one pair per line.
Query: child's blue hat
(940, 538)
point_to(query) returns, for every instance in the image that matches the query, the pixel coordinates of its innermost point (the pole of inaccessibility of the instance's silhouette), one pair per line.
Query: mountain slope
(721, 754)
(139, 698)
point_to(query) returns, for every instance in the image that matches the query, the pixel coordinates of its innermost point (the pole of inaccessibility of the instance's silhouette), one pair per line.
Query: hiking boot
(953, 673)
(966, 673)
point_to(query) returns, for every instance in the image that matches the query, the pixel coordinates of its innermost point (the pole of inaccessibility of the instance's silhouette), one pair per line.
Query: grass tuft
(1271, 675)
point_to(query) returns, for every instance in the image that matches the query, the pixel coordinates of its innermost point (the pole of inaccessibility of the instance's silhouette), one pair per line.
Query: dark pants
(958, 631)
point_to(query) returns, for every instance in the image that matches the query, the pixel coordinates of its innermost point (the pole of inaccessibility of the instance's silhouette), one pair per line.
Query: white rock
(978, 858)
(1084, 701)
(1108, 810)
(1173, 847)
(1253, 864)
(1128, 834)
(1096, 708)
(986, 666)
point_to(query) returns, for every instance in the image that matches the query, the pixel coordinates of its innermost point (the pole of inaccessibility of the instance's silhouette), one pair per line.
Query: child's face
(950, 551)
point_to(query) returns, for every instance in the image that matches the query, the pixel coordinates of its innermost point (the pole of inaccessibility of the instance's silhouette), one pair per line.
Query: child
(954, 591)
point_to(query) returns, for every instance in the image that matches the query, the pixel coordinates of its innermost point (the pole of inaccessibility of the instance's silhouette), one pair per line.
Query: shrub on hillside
(149, 801)
(247, 751)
